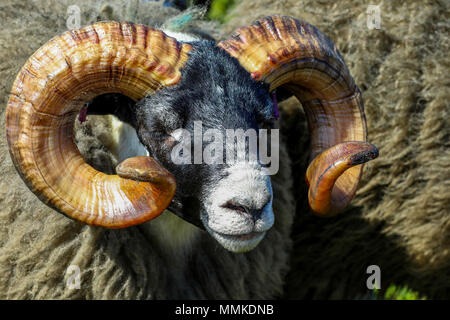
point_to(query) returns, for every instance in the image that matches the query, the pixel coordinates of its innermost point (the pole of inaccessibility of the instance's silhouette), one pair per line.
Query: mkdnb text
(247, 309)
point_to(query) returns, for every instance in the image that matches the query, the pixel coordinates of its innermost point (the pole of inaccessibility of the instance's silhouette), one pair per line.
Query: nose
(254, 212)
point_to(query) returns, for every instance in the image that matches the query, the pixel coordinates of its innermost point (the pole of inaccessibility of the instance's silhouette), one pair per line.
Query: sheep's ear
(49, 92)
(291, 54)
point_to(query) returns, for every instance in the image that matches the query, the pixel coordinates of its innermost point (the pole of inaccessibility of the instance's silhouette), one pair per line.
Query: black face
(215, 90)
(232, 201)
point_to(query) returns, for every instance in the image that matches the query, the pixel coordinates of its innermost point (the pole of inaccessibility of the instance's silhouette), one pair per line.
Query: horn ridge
(49, 92)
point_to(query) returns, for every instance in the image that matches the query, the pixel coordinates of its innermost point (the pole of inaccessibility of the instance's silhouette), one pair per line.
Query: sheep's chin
(237, 243)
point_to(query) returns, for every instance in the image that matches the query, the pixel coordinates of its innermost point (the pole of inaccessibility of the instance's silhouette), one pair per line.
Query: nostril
(254, 213)
(236, 207)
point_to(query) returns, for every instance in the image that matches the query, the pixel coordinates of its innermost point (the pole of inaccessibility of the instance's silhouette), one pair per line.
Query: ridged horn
(47, 95)
(283, 51)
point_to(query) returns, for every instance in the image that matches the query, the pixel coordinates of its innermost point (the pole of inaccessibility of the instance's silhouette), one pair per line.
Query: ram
(230, 85)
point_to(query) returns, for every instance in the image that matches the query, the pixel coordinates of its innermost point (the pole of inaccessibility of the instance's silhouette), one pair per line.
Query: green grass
(219, 9)
(394, 292)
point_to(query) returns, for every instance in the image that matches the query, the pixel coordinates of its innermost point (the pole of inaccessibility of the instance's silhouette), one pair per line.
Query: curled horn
(47, 95)
(283, 51)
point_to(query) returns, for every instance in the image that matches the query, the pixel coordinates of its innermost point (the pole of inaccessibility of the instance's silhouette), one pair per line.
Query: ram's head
(178, 86)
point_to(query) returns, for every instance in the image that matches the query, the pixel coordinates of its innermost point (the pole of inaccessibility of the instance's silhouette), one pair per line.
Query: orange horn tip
(331, 174)
(146, 169)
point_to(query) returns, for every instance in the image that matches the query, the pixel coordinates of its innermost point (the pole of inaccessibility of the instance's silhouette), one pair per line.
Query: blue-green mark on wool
(180, 22)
